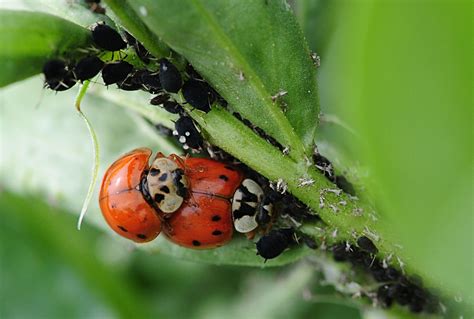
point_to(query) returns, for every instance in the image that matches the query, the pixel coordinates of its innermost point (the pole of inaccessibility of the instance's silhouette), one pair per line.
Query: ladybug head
(167, 183)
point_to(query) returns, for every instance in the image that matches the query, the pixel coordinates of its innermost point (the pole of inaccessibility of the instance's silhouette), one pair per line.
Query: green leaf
(317, 20)
(29, 39)
(239, 252)
(55, 157)
(74, 11)
(406, 76)
(51, 243)
(249, 51)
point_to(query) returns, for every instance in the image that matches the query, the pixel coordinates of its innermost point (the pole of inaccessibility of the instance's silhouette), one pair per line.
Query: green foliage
(395, 79)
(30, 38)
(407, 83)
(246, 67)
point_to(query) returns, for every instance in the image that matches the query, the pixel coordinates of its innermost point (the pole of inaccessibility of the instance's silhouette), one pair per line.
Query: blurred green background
(396, 90)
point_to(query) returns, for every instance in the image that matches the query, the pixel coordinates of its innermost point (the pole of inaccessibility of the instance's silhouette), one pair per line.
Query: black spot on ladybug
(141, 236)
(223, 177)
(244, 210)
(216, 233)
(170, 77)
(107, 38)
(88, 67)
(165, 189)
(248, 195)
(163, 177)
(154, 172)
(159, 197)
(196, 243)
(230, 168)
(116, 72)
(123, 229)
(274, 243)
(216, 218)
(366, 244)
(198, 94)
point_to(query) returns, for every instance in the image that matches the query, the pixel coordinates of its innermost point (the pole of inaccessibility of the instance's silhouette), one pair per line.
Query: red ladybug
(196, 202)
(122, 202)
(205, 219)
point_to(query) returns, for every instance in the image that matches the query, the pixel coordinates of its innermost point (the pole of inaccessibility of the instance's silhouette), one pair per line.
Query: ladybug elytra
(195, 202)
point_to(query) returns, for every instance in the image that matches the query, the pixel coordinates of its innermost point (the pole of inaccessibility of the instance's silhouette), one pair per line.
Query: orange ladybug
(122, 202)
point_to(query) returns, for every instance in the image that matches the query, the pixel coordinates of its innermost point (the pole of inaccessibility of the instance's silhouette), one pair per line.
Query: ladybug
(188, 199)
(204, 220)
(121, 198)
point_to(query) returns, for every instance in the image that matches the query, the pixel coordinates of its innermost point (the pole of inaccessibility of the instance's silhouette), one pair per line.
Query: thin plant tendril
(95, 143)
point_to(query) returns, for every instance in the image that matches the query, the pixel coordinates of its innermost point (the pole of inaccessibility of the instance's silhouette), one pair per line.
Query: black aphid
(160, 99)
(88, 67)
(140, 50)
(150, 81)
(57, 75)
(366, 244)
(187, 133)
(345, 185)
(170, 77)
(116, 72)
(107, 38)
(172, 107)
(198, 94)
(274, 243)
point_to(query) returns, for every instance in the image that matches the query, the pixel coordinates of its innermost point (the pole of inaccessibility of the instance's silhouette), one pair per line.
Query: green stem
(346, 216)
(135, 25)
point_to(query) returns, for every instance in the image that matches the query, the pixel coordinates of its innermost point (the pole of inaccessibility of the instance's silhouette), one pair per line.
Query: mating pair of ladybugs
(195, 202)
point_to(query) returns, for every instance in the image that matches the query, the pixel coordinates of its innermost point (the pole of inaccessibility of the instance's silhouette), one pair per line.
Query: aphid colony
(199, 202)
(394, 287)
(164, 81)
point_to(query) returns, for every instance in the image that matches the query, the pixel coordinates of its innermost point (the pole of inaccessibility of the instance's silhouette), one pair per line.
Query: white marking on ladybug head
(167, 184)
(245, 224)
(245, 203)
